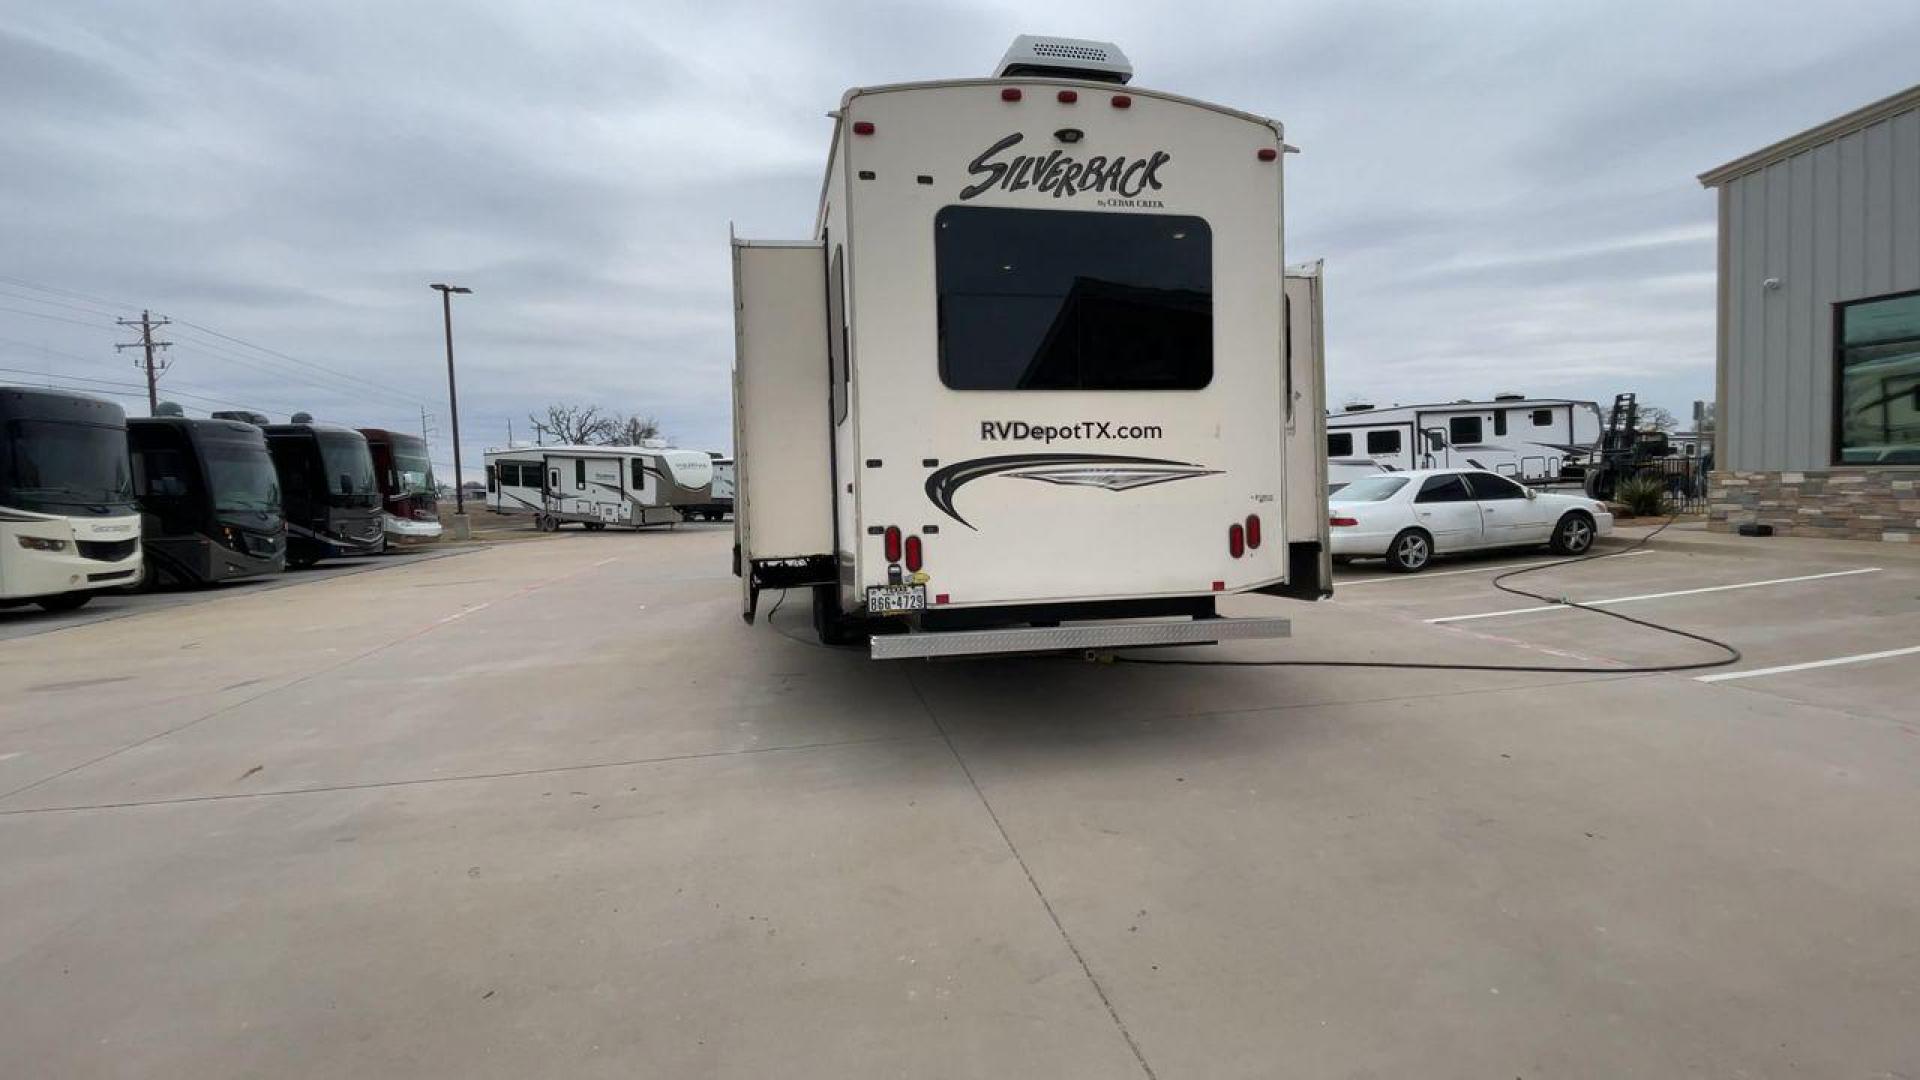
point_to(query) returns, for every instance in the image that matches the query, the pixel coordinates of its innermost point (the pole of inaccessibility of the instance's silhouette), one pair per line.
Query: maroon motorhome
(409, 506)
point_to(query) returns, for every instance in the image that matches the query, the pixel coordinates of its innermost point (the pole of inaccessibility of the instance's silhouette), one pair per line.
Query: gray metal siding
(1839, 221)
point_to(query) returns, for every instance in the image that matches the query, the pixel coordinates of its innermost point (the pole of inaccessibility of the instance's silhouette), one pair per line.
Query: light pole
(453, 407)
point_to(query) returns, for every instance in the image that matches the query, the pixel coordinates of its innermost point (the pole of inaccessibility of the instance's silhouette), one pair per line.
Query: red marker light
(1121, 101)
(1011, 93)
(1219, 586)
(1068, 97)
(1253, 530)
(893, 543)
(939, 598)
(863, 127)
(1268, 153)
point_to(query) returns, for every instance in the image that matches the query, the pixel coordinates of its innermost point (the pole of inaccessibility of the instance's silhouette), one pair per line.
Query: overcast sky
(1504, 193)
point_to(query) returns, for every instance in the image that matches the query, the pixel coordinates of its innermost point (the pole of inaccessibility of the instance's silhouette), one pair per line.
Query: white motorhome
(69, 527)
(597, 486)
(1528, 439)
(1030, 386)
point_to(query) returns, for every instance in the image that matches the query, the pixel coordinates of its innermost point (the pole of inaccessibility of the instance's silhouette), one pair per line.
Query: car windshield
(242, 478)
(349, 468)
(61, 463)
(413, 470)
(1370, 489)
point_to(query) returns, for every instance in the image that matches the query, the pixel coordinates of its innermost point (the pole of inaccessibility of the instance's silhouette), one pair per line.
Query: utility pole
(453, 408)
(147, 324)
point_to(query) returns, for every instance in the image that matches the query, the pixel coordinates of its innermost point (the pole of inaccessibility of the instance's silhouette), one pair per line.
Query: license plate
(891, 599)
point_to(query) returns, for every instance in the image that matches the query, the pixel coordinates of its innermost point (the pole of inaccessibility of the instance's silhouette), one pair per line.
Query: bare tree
(633, 430)
(1655, 418)
(577, 425)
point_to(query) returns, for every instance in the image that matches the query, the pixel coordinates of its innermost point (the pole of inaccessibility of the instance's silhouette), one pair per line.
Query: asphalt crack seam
(298, 680)
(1014, 849)
(375, 785)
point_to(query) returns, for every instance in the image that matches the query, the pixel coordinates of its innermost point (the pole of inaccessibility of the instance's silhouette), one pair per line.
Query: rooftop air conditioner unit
(1065, 58)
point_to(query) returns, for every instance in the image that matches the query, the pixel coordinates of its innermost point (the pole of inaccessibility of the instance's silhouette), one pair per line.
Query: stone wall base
(1839, 504)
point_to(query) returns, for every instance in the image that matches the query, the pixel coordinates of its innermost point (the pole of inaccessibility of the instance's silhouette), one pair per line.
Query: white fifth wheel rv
(1030, 387)
(1529, 439)
(598, 486)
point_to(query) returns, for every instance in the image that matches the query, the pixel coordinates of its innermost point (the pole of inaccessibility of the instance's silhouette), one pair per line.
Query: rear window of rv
(1069, 300)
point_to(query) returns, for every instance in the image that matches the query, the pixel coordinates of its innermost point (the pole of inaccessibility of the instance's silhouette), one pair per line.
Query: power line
(175, 388)
(84, 309)
(291, 371)
(37, 287)
(268, 361)
(297, 360)
(146, 342)
(60, 318)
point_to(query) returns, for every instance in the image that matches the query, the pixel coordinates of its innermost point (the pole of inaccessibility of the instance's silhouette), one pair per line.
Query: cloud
(1505, 196)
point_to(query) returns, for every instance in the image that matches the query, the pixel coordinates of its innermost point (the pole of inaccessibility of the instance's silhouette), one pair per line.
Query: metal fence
(1685, 479)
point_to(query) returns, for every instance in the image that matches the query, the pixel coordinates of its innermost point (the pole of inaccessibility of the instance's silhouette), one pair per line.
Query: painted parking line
(1808, 666)
(1391, 579)
(1655, 596)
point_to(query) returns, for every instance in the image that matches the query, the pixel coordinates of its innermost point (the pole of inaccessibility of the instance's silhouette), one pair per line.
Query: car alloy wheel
(1576, 535)
(1411, 551)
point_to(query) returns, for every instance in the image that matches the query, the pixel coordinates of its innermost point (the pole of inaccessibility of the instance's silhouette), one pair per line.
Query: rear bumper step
(1073, 637)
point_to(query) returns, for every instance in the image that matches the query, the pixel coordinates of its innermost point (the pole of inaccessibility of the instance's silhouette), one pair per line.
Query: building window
(1877, 381)
(1339, 444)
(1464, 430)
(1543, 418)
(1383, 442)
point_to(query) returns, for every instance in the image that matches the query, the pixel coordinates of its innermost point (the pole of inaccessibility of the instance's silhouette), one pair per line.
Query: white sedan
(1409, 517)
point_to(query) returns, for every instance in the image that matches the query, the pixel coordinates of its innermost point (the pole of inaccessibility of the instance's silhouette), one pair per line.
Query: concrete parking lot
(550, 808)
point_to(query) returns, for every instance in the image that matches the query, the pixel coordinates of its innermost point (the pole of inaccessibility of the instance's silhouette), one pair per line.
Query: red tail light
(1011, 93)
(1253, 530)
(1236, 540)
(913, 554)
(893, 543)
(1343, 521)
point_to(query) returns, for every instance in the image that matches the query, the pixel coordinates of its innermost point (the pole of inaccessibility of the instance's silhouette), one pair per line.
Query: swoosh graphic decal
(1108, 471)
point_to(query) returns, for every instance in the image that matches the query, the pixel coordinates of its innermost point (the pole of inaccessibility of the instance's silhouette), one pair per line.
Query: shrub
(1643, 496)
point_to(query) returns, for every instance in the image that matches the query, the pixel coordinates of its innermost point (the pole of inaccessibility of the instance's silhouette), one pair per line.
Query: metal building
(1818, 380)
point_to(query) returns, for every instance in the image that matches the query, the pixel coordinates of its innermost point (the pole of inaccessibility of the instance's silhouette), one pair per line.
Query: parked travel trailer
(1528, 439)
(1030, 386)
(720, 502)
(328, 490)
(209, 500)
(409, 503)
(68, 524)
(598, 486)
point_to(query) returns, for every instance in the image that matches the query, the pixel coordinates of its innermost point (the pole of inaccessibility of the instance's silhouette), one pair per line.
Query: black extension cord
(1499, 582)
